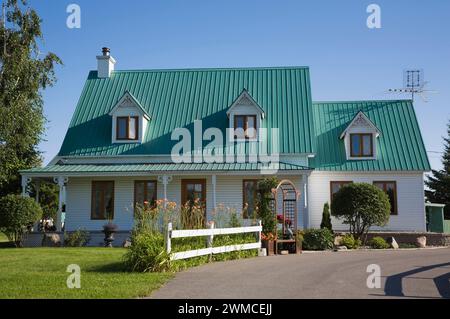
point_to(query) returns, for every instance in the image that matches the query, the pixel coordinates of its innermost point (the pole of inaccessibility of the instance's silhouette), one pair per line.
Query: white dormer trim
(128, 99)
(358, 120)
(245, 105)
(128, 105)
(360, 124)
(246, 100)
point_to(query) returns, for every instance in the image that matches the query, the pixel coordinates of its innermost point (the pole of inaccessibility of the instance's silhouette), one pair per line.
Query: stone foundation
(433, 239)
(96, 239)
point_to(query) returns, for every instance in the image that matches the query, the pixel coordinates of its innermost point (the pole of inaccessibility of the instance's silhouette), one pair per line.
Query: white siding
(228, 192)
(410, 197)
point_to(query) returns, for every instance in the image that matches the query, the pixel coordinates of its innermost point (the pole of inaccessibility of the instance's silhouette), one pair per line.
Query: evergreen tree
(24, 72)
(326, 218)
(439, 182)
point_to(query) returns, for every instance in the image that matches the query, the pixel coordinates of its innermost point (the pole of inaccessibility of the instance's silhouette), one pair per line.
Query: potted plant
(268, 242)
(109, 229)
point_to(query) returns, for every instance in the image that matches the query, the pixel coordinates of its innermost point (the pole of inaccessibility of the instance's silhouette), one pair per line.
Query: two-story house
(142, 135)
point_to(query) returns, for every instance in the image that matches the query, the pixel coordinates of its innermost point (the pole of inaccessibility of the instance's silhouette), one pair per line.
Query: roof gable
(361, 119)
(245, 99)
(128, 99)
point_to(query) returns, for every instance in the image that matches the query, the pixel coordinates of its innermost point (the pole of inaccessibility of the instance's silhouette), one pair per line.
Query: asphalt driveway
(404, 274)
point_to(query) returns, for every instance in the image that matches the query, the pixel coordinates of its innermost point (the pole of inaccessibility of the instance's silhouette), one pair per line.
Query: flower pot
(269, 246)
(109, 230)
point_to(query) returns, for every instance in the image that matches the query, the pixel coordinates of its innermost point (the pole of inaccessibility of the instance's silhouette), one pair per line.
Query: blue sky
(347, 60)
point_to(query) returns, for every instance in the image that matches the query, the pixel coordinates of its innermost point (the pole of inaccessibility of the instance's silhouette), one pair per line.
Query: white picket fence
(210, 232)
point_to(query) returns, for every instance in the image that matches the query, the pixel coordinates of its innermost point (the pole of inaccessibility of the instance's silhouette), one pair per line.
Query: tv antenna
(414, 84)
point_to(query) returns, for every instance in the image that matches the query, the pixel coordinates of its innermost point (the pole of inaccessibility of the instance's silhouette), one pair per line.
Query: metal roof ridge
(212, 69)
(360, 101)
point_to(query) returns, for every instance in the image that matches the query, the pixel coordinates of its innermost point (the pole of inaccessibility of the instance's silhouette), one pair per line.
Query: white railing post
(168, 238)
(259, 233)
(210, 238)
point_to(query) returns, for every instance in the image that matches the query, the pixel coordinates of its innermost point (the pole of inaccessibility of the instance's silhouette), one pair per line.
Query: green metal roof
(169, 167)
(175, 98)
(399, 146)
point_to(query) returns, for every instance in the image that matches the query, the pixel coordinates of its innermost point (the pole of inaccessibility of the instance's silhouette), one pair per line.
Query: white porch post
(165, 179)
(306, 218)
(214, 182)
(60, 180)
(25, 181)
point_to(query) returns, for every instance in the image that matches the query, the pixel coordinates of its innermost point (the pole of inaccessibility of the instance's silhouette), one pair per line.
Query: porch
(220, 184)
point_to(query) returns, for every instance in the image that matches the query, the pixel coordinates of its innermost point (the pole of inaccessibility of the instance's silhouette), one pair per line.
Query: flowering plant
(268, 236)
(287, 221)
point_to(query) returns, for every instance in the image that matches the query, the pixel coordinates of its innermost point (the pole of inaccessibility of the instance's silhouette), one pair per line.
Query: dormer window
(360, 138)
(361, 145)
(245, 126)
(127, 127)
(245, 116)
(129, 120)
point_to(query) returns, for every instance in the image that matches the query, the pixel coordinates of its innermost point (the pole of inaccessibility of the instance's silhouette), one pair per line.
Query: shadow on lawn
(114, 267)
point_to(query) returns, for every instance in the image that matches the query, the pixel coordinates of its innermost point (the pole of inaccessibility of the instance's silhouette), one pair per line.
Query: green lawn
(41, 273)
(3, 238)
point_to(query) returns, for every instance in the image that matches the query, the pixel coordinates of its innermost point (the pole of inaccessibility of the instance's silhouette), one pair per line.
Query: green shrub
(77, 238)
(318, 239)
(326, 217)
(17, 215)
(147, 253)
(264, 201)
(350, 242)
(378, 243)
(361, 205)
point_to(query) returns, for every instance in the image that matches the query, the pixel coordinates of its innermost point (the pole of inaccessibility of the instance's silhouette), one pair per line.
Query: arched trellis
(289, 207)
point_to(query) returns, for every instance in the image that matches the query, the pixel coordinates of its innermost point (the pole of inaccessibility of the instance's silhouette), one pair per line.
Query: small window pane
(139, 193)
(97, 213)
(151, 192)
(240, 122)
(132, 128)
(109, 205)
(251, 127)
(367, 145)
(122, 128)
(356, 145)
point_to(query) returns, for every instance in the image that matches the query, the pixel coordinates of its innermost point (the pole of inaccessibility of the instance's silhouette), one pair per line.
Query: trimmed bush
(326, 217)
(350, 242)
(17, 215)
(378, 243)
(79, 238)
(361, 205)
(318, 239)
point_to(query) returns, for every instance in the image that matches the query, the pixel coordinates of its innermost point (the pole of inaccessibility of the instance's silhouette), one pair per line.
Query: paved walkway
(404, 274)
